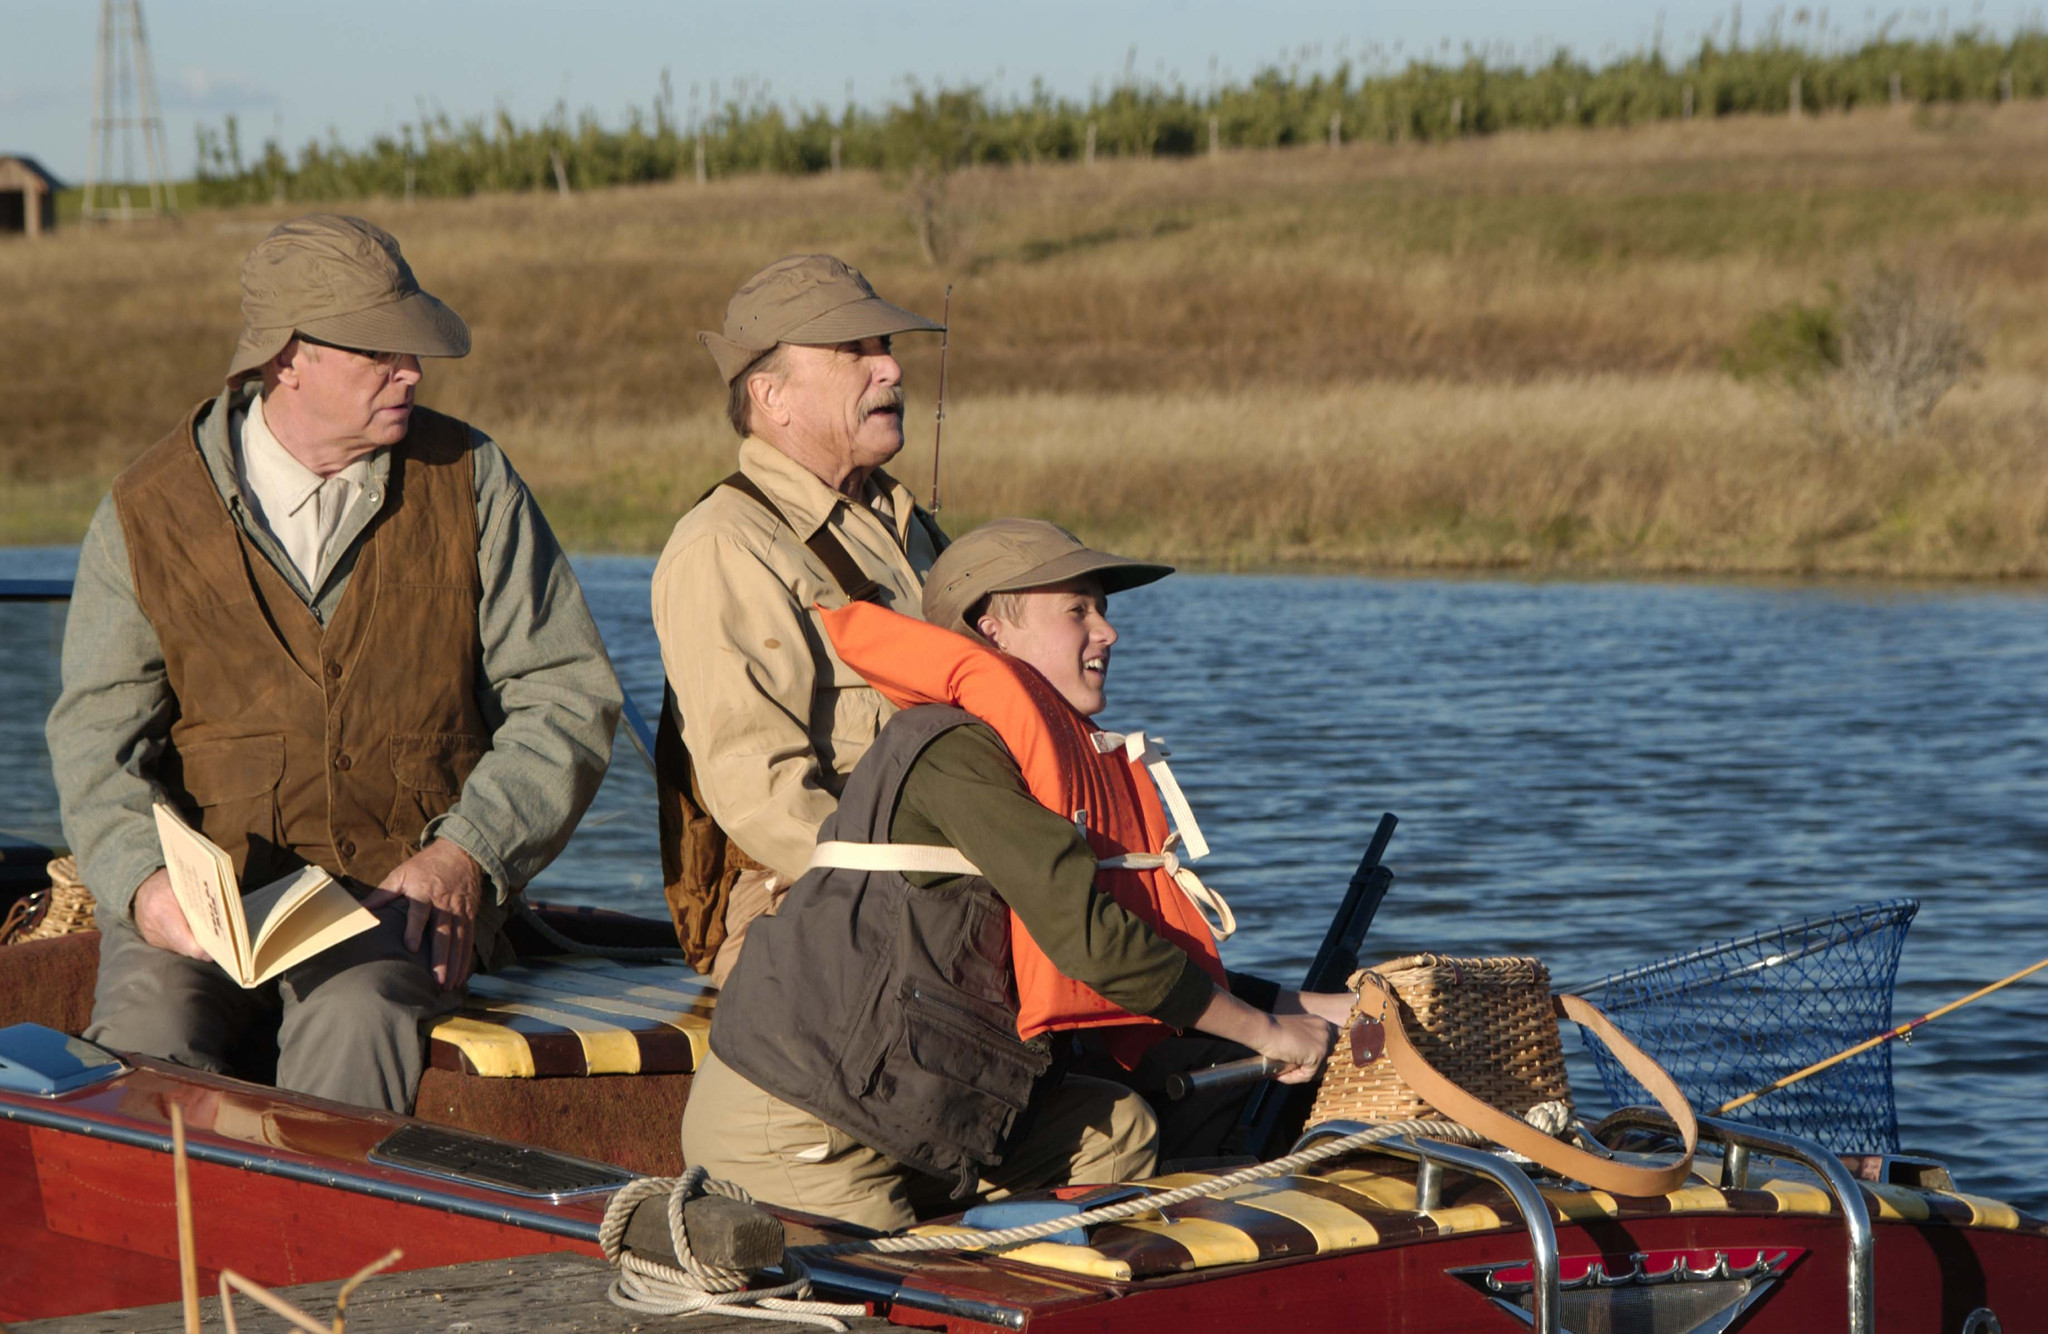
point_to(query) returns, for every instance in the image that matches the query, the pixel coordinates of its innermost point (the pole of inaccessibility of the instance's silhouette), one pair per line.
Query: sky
(297, 72)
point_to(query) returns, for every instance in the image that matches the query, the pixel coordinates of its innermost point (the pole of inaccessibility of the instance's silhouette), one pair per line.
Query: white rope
(654, 1288)
(1212, 907)
(976, 1239)
(1551, 1118)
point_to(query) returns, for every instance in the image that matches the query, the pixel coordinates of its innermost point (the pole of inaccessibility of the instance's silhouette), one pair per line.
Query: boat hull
(283, 1191)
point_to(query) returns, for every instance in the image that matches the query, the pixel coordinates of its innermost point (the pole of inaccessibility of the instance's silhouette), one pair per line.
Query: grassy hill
(1510, 351)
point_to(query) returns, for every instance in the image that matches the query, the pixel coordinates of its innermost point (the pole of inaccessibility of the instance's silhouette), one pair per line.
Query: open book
(258, 935)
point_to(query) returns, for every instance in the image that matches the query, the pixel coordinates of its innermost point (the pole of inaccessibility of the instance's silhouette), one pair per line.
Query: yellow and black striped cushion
(1352, 1208)
(578, 1016)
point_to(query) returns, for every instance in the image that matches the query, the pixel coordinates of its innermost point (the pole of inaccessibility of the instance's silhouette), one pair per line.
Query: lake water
(1598, 773)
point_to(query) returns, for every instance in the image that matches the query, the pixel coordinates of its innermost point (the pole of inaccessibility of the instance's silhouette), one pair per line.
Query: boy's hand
(1303, 1041)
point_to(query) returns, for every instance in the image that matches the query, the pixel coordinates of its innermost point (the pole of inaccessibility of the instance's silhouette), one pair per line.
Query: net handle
(1513, 1133)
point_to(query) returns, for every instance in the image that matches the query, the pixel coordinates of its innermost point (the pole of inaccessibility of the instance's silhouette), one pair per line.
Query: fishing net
(1733, 1017)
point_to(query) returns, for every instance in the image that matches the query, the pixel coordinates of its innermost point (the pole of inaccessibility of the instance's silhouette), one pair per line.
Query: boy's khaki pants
(1087, 1131)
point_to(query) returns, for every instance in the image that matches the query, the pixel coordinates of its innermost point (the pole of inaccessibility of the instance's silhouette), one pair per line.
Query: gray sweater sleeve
(549, 694)
(109, 723)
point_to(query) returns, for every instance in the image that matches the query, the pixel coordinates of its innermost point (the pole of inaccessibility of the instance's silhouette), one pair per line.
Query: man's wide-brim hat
(1013, 555)
(339, 280)
(808, 299)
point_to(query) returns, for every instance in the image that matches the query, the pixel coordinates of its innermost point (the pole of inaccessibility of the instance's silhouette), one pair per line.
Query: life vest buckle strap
(1212, 906)
(1143, 750)
(900, 857)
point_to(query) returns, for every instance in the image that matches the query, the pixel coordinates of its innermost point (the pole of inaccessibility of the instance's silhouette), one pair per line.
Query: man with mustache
(763, 722)
(329, 626)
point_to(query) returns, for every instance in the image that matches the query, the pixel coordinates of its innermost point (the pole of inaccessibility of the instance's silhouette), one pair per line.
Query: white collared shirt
(298, 507)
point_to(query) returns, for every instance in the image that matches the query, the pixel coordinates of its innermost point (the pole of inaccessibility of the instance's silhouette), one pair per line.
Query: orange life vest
(911, 662)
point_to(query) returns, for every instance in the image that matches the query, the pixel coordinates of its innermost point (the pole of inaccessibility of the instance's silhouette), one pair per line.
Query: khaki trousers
(1087, 1131)
(347, 1020)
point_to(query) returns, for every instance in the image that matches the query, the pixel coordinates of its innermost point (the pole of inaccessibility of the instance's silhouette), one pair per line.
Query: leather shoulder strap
(929, 522)
(1513, 1133)
(845, 571)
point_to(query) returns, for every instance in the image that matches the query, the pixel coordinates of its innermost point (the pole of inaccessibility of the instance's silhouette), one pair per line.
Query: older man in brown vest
(331, 627)
(773, 721)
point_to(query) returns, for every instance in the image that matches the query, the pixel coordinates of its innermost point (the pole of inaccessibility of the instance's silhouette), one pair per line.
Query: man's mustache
(891, 397)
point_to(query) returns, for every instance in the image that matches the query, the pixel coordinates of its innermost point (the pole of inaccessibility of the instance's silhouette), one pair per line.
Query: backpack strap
(699, 863)
(845, 571)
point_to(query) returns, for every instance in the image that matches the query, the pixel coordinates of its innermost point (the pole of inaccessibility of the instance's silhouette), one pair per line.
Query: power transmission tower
(124, 89)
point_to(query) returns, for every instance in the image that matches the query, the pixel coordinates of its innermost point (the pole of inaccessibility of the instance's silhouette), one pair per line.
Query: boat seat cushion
(577, 1015)
(1348, 1208)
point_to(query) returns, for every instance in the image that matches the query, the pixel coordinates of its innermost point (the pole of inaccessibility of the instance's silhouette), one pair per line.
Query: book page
(203, 879)
(299, 916)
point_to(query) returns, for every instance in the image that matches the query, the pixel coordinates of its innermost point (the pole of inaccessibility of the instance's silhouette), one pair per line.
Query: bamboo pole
(181, 1186)
(230, 1281)
(1880, 1039)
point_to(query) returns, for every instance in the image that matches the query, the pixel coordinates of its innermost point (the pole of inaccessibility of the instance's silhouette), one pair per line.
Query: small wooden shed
(28, 196)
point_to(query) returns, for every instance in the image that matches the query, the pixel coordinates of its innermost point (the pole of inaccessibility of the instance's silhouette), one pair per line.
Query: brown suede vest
(295, 743)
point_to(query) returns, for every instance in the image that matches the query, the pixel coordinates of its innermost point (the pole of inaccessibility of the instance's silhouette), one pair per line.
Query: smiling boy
(902, 1025)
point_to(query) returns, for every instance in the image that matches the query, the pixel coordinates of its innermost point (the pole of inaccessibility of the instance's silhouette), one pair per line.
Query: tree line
(942, 128)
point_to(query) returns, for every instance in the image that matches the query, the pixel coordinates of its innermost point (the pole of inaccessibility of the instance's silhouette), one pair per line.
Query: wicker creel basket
(1474, 1042)
(65, 907)
(1487, 1025)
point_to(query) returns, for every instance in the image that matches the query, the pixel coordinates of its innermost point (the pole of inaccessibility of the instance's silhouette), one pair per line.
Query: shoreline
(1903, 582)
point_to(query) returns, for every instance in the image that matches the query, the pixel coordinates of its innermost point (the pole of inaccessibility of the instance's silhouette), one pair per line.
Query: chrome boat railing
(1742, 1140)
(1431, 1157)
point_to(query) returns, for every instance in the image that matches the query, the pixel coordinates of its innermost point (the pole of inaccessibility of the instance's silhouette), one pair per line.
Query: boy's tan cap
(810, 299)
(1011, 555)
(340, 280)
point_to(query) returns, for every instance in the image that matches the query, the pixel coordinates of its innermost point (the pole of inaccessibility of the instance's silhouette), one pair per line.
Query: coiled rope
(653, 1288)
(658, 1289)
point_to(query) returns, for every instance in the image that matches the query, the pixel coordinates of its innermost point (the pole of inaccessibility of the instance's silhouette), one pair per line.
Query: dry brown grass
(1500, 351)
(1685, 472)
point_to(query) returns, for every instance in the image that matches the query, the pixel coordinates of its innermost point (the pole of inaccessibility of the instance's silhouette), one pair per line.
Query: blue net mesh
(1731, 1018)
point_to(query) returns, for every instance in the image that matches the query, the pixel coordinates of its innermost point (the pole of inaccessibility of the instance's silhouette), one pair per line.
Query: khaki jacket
(773, 720)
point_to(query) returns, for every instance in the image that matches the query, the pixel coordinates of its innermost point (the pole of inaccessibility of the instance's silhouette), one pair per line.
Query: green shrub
(1794, 344)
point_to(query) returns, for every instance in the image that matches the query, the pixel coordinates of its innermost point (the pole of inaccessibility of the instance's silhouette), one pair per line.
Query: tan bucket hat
(1011, 555)
(340, 280)
(810, 299)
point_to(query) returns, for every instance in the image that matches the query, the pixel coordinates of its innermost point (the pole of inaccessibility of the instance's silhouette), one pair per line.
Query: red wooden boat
(1774, 1234)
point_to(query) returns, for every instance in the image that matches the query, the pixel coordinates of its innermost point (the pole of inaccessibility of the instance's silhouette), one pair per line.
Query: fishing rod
(1901, 1031)
(939, 417)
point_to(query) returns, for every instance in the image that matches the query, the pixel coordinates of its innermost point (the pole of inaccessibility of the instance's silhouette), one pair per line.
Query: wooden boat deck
(535, 1292)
